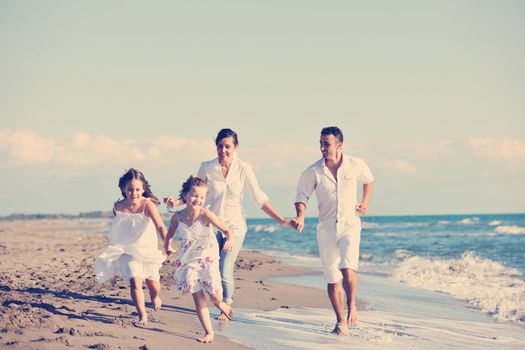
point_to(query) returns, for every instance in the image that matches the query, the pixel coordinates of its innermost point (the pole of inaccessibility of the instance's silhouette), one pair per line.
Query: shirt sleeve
(366, 175)
(305, 186)
(256, 194)
(202, 172)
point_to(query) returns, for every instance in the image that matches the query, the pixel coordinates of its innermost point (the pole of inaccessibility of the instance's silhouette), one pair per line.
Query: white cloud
(444, 148)
(398, 167)
(506, 149)
(25, 147)
(82, 150)
(171, 149)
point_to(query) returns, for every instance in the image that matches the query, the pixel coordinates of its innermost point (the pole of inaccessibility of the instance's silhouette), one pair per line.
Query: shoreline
(49, 299)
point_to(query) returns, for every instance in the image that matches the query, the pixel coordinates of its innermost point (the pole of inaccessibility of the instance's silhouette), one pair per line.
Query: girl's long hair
(134, 174)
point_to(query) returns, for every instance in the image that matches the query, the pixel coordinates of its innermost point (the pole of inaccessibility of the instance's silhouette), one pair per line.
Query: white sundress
(197, 264)
(133, 249)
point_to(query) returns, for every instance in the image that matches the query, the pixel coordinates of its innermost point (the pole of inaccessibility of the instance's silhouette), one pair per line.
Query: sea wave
(264, 228)
(485, 284)
(469, 221)
(494, 223)
(513, 230)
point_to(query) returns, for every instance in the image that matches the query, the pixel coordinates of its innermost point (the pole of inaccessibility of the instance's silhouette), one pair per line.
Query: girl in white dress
(133, 252)
(197, 264)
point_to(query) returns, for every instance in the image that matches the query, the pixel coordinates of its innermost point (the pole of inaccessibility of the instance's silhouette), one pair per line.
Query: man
(334, 179)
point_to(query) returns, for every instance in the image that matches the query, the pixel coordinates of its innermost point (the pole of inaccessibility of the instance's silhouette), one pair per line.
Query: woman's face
(225, 149)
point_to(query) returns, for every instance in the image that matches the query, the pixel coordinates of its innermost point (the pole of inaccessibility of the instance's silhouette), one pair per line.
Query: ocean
(427, 282)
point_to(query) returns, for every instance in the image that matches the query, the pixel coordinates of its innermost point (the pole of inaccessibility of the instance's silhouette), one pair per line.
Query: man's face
(330, 147)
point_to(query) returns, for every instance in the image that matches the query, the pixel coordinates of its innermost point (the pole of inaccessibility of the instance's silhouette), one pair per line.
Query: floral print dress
(197, 264)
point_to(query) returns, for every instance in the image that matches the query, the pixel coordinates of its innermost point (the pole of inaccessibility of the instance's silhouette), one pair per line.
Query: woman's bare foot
(352, 318)
(208, 338)
(226, 311)
(157, 303)
(340, 329)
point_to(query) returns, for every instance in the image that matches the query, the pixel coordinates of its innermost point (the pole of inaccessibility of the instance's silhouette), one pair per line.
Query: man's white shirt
(336, 199)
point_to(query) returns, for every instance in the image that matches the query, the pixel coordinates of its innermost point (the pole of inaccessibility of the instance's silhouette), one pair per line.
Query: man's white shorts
(338, 250)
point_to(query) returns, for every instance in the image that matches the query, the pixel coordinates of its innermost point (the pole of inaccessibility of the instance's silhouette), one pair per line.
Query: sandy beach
(49, 299)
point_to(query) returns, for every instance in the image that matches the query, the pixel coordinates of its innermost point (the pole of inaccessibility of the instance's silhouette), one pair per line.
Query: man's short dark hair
(333, 130)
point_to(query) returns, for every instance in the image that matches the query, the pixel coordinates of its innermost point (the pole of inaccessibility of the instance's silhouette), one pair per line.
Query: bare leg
(204, 316)
(135, 285)
(335, 293)
(225, 309)
(350, 286)
(154, 291)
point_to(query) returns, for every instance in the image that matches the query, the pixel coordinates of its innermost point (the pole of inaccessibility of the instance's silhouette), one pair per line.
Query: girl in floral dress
(197, 264)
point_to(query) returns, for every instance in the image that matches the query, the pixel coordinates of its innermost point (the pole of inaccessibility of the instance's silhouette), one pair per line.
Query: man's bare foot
(226, 311)
(352, 318)
(208, 338)
(340, 329)
(157, 303)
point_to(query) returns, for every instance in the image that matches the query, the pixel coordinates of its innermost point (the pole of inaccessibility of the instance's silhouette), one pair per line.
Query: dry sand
(49, 299)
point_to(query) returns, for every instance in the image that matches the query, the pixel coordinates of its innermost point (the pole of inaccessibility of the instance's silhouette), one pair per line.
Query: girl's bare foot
(226, 311)
(157, 303)
(143, 321)
(208, 338)
(340, 329)
(222, 317)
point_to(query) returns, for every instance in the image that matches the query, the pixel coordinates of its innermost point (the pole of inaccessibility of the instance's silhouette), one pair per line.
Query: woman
(228, 177)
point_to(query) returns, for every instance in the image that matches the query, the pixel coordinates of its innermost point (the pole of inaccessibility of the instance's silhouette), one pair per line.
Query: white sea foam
(469, 221)
(308, 328)
(485, 284)
(494, 223)
(444, 222)
(264, 228)
(512, 230)
(369, 224)
(385, 234)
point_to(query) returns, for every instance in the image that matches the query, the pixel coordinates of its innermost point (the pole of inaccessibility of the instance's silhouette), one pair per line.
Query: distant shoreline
(109, 214)
(87, 215)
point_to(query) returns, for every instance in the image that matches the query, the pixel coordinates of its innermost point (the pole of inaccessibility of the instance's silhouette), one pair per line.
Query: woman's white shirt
(225, 194)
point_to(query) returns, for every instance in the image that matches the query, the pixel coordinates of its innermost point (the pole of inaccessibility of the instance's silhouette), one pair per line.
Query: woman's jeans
(227, 264)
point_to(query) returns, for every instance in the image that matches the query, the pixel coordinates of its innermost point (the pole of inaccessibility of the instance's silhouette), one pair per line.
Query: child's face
(134, 190)
(196, 196)
(226, 148)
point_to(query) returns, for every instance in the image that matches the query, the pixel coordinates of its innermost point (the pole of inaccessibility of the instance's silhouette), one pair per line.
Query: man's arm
(362, 207)
(300, 209)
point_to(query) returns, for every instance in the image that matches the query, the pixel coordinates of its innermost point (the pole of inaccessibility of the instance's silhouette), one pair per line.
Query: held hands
(228, 245)
(169, 201)
(361, 208)
(298, 223)
(168, 248)
(287, 223)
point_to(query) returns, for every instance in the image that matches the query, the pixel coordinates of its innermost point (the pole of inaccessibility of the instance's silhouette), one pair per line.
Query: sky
(429, 93)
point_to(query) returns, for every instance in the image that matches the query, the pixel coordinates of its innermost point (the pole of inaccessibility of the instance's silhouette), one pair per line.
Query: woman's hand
(228, 245)
(287, 223)
(169, 201)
